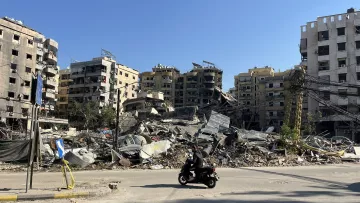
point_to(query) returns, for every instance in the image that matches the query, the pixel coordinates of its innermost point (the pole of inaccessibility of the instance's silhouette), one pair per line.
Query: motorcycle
(208, 176)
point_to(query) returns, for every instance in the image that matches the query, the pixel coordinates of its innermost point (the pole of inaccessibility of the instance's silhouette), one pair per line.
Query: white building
(330, 48)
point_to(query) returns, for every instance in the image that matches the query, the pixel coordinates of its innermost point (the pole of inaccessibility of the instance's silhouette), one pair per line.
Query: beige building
(128, 79)
(63, 92)
(161, 79)
(262, 93)
(24, 52)
(194, 88)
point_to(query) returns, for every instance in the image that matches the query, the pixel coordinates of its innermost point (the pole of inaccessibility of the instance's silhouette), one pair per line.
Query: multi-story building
(62, 102)
(161, 79)
(193, 88)
(128, 79)
(24, 52)
(330, 48)
(232, 92)
(99, 79)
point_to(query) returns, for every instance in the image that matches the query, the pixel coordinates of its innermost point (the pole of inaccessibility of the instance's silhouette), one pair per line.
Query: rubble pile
(165, 142)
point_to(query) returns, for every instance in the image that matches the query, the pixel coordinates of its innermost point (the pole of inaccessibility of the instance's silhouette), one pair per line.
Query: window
(271, 103)
(26, 97)
(325, 95)
(11, 94)
(271, 85)
(13, 66)
(323, 50)
(271, 94)
(120, 72)
(357, 29)
(16, 37)
(28, 56)
(281, 84)
(271, 113)
(342, 92)
(9, 108)
(342, 62)
(27, 83)
(323, 35)
(248, 87)
(28, 69)
(38, 57)
(323, 65)
(342, 77)
(120, 82)
(133, 77)
(358, 60)
(341, 46)
(24, 111)
(12, 80)
(0, 47)
(126, 75)
(281, 103)
(30, 42)
(133, 95)
(357, 44)
(358, 75)
(341, 31)
(15, 52)
(1, 32)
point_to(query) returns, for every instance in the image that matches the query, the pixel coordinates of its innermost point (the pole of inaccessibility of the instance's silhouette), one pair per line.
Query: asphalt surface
(340, 183)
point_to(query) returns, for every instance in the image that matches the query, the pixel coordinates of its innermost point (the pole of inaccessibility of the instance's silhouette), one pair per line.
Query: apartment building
(128, 79)
(161, 79)
(62, 102)
(194, 88)
(24, 52)
(330, 48)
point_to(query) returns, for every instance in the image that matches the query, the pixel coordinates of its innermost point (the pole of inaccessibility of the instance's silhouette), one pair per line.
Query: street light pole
(115, 145)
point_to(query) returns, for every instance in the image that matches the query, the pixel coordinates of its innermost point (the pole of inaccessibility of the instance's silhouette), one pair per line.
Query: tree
(107, 117)
(310, 125)
(86, 113)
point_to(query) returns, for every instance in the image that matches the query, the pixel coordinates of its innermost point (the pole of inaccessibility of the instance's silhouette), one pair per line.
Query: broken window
(133, 77)
(16, 37)
(28, 56)
(304, 56)
(341, 31)
(323, 35)
(38, 57)
(15, 52)
(271, 103)
(27, 83)
(1, 32)
(26, 97)
(120, 72)
(357, 44)
(13, 66)
(303, 44)
(325, 95)
(358, 75)
(12, 80)
(126, 75)
(342, 77)
(248, 87)
(271, 113)
(30, 41)
(342, 62)
(357, 29)
(281, 84)
(323, 50)
(11, 94)
(324, 65)
(9, 108)
(271, 94)
(342, 92)
(28, 69)
(341, 46)
(281, 103)
(358, 60)
(271, 85)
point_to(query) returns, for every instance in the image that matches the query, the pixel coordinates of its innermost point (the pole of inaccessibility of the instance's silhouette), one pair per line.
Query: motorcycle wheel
(182, 179)
(211, 183)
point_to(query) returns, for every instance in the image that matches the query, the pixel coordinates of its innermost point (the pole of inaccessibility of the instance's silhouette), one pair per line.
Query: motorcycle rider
(198, 161)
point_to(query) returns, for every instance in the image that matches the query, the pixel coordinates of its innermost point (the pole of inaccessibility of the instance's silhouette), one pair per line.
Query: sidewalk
(46, 186)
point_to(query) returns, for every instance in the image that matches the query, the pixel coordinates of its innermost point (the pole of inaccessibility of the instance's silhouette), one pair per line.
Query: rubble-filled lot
(160, 143)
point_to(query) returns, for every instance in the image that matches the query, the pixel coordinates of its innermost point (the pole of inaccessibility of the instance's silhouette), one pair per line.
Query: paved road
(339, 183)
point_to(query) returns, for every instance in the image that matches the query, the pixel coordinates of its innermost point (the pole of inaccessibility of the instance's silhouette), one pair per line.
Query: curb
(44, 196)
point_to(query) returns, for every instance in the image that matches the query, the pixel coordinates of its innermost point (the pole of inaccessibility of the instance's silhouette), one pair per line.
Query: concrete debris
(164, 142)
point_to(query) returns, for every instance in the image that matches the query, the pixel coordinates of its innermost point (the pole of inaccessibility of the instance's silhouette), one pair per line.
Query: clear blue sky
(234, 34)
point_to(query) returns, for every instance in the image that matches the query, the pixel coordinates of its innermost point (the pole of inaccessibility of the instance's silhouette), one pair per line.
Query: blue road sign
(39, 86)
(60, 147)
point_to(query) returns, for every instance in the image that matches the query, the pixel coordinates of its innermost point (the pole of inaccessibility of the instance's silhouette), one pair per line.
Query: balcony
(209, 74)
(52, 44)
(50, 58)
(50, 71)
(50, 82)
(48, 94)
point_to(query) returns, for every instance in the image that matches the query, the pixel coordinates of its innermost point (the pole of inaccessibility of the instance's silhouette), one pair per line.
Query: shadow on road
(172, 186)
(234, 201)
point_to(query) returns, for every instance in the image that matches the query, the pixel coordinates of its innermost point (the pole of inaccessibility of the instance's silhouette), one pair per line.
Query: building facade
(128, 80)
(23, 53)
(194, 88)
(62, 102)
(330, 49)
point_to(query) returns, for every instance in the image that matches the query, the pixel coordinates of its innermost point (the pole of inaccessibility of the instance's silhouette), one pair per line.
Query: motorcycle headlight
(214, 164)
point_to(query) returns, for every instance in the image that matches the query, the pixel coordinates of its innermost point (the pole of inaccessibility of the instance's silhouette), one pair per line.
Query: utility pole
(115, 144)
